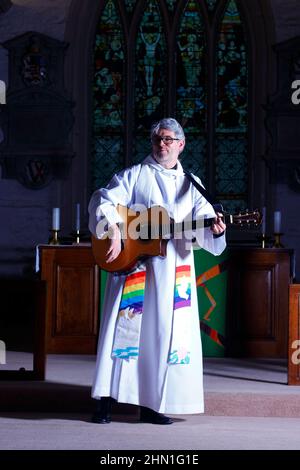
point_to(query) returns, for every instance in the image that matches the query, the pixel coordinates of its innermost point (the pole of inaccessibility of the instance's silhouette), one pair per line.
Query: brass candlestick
(54, 240)
(277, 241)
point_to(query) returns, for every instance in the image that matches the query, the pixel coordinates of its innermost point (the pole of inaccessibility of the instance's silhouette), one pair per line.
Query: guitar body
(133, 246)
(147, 233)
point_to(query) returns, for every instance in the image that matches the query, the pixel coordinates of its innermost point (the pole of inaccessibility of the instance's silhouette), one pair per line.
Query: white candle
(263, 222)
(56, 218)
(277, 221)
(77, 216)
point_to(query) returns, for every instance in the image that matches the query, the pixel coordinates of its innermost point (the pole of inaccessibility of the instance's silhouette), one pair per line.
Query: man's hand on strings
(218, 226)
(115, 243)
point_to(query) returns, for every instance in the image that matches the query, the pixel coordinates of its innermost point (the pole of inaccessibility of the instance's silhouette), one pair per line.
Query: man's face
(166, 152)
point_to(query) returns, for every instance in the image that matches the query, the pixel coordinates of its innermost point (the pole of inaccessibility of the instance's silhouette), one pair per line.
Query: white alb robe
(150, 380)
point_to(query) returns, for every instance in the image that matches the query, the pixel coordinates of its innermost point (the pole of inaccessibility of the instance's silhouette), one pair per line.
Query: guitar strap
(216, 204)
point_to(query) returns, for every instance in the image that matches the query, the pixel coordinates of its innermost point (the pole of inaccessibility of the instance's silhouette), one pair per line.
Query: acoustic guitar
(147, 233)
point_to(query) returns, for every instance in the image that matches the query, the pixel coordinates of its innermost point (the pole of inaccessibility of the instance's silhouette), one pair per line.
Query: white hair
(168, 123)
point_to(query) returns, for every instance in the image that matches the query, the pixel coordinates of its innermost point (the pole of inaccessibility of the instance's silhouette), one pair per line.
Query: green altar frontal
(211, 278)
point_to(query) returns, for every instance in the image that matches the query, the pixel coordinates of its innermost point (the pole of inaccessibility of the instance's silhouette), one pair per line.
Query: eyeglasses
(167, 140)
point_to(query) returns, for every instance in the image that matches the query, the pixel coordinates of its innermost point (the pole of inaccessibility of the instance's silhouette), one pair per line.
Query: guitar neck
(179, 227)
(167, 228)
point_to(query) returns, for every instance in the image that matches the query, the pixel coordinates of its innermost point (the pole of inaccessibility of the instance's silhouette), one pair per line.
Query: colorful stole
(127, 334)
(180, 342)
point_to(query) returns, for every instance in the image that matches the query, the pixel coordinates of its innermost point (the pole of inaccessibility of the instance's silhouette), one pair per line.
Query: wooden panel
(255, 323)
(258, 286)
(294, 336)
(73, 310)
(73, 299)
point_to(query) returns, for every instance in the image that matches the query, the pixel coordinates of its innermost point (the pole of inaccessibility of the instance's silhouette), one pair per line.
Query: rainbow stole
(180, 343)
(133, 292)
(182, 294)
(128, 327)
(127, 335)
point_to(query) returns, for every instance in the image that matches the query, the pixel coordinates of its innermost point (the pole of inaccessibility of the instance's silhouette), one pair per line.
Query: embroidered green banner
(211, 278)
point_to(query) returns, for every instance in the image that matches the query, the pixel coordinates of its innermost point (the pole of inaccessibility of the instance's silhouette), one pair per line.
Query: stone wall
(26, 214)
(287, 18)
(287, 25)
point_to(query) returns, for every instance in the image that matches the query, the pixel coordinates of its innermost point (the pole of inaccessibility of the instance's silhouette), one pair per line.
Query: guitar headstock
(245, 218)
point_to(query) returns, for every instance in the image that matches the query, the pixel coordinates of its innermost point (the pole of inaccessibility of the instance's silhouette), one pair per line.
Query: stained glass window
(150, 76)
(171, 4)
(108, 96)
(130, 4)
(211, 4)
(190, 68)
(231, 172)
(231, 110)
(191, 93)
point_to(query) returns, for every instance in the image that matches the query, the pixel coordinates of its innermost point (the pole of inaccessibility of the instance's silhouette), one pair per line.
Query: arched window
(150, 77)
(185, 58)
(109, 94)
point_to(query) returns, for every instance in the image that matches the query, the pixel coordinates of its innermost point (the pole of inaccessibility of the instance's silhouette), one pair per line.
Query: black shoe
(150, 416)
(102, 413)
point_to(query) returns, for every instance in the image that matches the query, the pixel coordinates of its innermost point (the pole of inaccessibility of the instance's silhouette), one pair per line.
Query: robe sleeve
(205, 237)
(104, 201)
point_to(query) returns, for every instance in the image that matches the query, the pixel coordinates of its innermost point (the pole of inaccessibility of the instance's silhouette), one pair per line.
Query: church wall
(287, 25)
(25, 214)
(287, 18)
